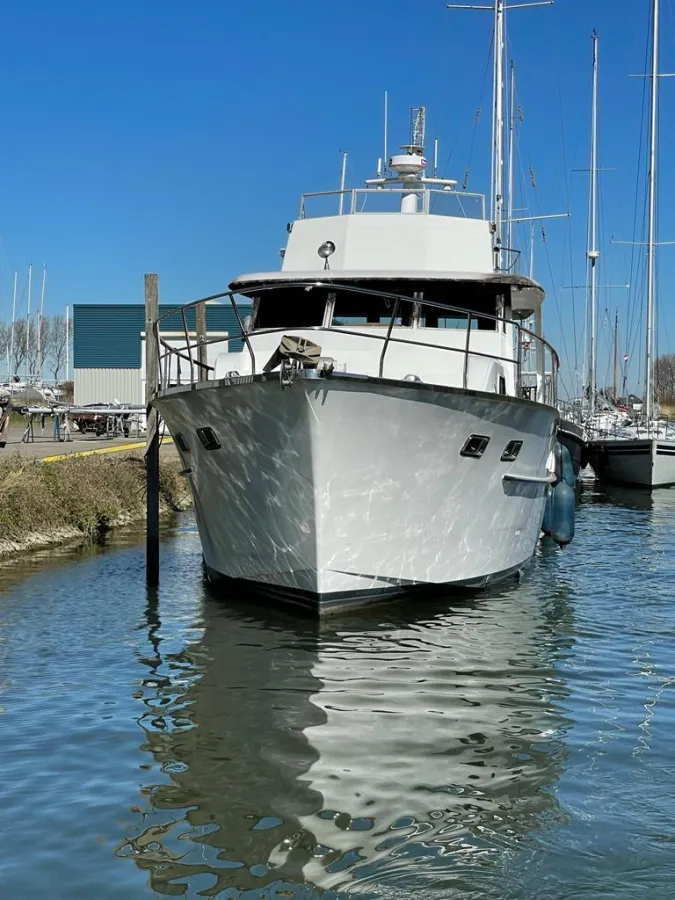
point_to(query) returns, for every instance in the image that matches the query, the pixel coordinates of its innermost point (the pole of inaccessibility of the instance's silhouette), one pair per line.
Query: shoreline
(78, 500)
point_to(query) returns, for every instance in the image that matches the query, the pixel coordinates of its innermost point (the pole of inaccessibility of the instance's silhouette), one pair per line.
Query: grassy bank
(77, 498)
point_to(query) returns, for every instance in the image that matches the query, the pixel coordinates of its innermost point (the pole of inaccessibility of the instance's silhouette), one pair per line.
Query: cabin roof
(515, 283)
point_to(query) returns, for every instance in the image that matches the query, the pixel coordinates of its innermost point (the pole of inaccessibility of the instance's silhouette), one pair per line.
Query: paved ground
(44, 446)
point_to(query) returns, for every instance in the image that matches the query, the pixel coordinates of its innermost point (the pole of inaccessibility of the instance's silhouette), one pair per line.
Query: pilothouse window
(300, 307)
(354, 308)
(290, 308)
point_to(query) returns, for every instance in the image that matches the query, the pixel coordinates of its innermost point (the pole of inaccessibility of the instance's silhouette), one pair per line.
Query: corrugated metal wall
(106, 385)
(107, 336)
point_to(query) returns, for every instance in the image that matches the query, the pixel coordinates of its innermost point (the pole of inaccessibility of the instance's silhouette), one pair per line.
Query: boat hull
(646, 463)
(571, 437)
(342, 490)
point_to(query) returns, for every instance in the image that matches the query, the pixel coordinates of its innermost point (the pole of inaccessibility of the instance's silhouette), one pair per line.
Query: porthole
(208, 438)
(181, 443)
(475, 446)
(511, 451)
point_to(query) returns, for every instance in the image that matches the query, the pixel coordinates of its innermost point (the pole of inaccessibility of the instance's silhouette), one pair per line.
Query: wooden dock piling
(152, 440)
(200, 322)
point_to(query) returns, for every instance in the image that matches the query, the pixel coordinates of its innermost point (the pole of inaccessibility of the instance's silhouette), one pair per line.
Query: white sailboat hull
(646, 463)
(341, 490)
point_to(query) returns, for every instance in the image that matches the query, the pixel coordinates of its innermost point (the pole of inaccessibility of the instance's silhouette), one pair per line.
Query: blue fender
(567, 468)
(558, 519)
(563, 503)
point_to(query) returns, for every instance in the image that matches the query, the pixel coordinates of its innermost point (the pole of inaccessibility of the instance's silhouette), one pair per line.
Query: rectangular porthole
(511, 451)
(474, 446)
(208, 438)
(181, 443)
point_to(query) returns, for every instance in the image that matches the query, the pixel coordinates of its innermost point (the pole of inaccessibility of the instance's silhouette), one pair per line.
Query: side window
(475, 446)
(208, 438)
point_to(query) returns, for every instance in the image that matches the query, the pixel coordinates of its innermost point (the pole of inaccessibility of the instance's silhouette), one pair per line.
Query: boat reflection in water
(661, 500)
(382, 750)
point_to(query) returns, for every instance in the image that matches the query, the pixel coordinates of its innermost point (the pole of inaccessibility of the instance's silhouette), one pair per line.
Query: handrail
(378, 337)
(330, 329)
(254, 290)
(333, 283)
(429, 191)
(465, 374)
(394, 316)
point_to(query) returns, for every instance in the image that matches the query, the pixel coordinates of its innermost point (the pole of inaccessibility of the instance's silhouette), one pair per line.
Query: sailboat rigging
(648, 461)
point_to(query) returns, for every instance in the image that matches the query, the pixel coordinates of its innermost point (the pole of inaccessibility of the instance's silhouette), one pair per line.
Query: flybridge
(390, 199)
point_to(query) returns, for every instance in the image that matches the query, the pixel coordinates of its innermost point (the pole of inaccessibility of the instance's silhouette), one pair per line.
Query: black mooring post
(152, 440)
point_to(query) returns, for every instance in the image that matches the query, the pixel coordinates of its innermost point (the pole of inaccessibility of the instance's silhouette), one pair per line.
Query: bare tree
(45, 333)
(58, 343)
(38, 344)
(19, 344)
(664, 376)
(5, 331)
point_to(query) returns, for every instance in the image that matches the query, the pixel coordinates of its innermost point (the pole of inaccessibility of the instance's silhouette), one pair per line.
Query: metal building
(109, 346)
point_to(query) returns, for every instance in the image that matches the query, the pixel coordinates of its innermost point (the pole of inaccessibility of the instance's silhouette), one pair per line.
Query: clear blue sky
(177, 137)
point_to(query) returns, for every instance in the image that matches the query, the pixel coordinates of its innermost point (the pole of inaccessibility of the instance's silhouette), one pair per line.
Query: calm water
(517, 746)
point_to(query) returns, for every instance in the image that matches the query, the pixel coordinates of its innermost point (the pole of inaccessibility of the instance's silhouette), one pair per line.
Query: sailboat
(647, 461)
(371, 435)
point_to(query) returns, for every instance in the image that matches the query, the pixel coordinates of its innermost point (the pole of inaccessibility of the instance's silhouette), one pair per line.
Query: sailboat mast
(651, 237)
(616, 355)
(30, 284)
(498, 134)
(593, 253)
(67, 343)
(42, 307)
(497, 201)
(512, 130)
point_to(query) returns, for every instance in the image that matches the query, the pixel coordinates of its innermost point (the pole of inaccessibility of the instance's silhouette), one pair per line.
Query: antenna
(418, 128)
(436, 158)
(386, 130)
(343, 181)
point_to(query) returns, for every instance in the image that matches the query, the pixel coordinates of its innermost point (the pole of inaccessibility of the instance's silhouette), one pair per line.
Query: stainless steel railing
(198, 367)
(460, 204)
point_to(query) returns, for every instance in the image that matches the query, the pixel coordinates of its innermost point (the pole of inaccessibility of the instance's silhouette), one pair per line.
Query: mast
(616, 356)
(42, 306)
(30, 283)
(512, 130)
(498, 7)
(67, 342)
(498, 134)
(593, 253)
(651, 237)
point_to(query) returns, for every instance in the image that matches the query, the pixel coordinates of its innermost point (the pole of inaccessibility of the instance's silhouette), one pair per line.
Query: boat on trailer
(370, 435)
